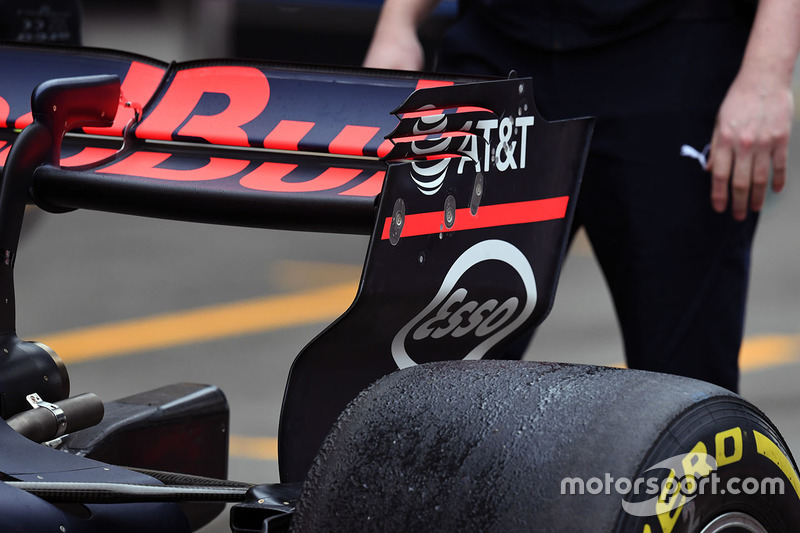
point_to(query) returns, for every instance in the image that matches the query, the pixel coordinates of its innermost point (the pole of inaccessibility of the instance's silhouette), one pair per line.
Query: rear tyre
(526, 446)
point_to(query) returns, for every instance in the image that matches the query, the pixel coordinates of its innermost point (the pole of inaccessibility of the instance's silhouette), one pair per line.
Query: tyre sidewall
(755, 473)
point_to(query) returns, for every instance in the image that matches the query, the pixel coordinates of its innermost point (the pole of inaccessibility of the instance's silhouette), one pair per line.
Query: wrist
(774, 43)
(767, 71)
(404, 14)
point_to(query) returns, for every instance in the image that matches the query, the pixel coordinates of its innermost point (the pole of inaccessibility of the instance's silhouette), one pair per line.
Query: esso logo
(461, 317)
(465, 323)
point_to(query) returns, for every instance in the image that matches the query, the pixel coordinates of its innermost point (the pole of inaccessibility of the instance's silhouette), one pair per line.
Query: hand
(395, 48)
(751, 137)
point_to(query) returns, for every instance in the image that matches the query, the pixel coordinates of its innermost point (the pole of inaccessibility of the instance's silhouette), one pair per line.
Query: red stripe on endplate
(488, 216)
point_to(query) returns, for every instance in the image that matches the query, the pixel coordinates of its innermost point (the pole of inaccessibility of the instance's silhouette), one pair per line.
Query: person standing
(694, 110)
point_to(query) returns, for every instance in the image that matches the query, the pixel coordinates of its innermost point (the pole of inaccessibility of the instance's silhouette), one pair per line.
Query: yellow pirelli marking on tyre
(670, 502)
(770, 450)
(729, 448)
(734, 434)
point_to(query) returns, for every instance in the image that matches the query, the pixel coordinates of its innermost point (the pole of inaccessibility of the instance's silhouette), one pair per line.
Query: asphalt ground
(132, 304)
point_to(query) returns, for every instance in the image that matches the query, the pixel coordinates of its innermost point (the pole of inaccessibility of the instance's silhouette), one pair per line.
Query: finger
(761, 164)
(719, 164)
(740, 184)
(779, 163)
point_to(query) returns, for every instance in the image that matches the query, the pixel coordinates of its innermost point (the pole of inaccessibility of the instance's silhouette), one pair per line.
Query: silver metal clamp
(61, 419)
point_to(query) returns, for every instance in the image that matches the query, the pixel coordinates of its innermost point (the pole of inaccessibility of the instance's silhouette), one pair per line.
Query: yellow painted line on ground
(292, 274)
(763, 351)
(203, 324)
(259, 448)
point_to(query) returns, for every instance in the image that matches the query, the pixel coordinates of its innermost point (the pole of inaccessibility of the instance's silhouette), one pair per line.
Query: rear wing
(467, 193)
(237, 142)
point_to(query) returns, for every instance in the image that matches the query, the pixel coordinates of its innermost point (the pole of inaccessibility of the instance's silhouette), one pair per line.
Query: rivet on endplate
(398, 220)
(477, 194)
(450, 211)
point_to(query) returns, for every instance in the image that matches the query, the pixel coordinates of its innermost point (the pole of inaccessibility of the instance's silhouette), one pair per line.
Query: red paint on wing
(4, 111)
(87, 156)
(287, 134)
(352, 140)
(270, 177)
(145, 164)
(426, 84)
(371, 187)
(246, 88)
(385, 148)
(24, 120)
